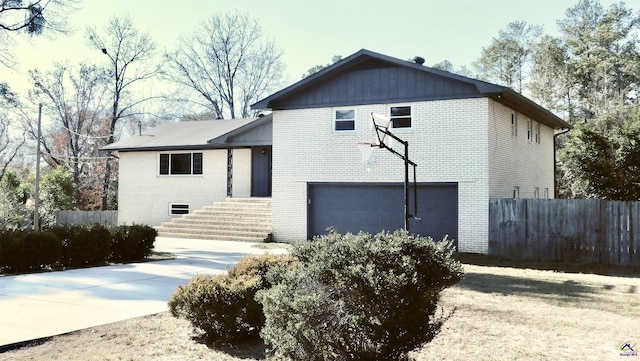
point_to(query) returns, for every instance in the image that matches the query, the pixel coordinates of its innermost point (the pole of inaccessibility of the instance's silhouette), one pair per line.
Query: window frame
(179, 209)
(393, 118)
(516, 192)
(166, 163)
(536, 132)
(514, 124)
(345, 120)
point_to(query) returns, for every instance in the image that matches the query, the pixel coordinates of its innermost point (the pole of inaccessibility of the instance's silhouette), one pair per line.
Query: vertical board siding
(377, 83)
(571, 230)
(106, 218)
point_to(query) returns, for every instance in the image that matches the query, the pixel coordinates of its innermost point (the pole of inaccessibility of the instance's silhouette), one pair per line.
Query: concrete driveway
(46, 304)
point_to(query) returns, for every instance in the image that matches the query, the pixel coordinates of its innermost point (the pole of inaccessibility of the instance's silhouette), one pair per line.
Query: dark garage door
(372, 207)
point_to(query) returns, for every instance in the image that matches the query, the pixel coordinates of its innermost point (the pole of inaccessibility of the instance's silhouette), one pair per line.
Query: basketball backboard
(380, 122)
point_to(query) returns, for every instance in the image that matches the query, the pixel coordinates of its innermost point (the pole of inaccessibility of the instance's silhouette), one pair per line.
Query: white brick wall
(516, 161)
(144, 196)
(448, 141)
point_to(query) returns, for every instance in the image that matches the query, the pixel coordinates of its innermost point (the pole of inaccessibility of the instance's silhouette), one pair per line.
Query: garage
(372, 207)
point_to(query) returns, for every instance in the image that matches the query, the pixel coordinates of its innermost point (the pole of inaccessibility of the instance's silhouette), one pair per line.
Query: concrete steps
(235, 219)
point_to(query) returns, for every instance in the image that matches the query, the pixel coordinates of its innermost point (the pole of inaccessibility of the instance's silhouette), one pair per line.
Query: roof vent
(418, 60)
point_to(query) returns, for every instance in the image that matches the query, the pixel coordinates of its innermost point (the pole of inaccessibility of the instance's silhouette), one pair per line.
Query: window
(536, 132)
(401, 117)
(546, 193)
(516, 192)
(345, 119)
(180, 163)
(514, 124)
(536, 193)
(178, 208)
(529, 129)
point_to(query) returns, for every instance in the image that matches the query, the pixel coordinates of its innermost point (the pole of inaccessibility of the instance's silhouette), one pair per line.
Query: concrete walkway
(46, 304)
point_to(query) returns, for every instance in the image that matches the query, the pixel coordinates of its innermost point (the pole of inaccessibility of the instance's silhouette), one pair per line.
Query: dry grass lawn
(502, 313)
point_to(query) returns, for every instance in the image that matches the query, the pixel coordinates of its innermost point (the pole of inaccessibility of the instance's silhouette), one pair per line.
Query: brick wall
(518, 160)
(144, 196)
(448, 141)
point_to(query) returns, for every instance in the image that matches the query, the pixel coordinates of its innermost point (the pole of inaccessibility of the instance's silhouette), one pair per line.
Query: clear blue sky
(311, 32)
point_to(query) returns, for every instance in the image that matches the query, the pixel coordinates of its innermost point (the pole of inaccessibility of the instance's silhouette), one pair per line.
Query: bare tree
(9, 145)
(75, 101)
(33, 17)
(131, 61)
(228, 64)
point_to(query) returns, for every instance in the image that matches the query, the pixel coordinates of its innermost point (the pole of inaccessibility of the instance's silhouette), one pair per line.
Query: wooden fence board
(574, 230)
(107, 218)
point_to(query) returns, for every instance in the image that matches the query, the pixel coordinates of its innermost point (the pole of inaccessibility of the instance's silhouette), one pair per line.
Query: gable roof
(367, 77)
(192, 135)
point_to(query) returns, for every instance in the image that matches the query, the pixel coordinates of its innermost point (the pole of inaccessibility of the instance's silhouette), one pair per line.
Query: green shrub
(223, 307)
(28, 251)
(132, 243)
(68, 246)
(83, 245)
(359, 297)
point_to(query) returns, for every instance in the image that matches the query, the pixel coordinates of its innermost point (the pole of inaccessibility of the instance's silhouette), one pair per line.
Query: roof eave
(518, 102)
(258, 122)
(504, 95)
(355, 58)
(166, 148)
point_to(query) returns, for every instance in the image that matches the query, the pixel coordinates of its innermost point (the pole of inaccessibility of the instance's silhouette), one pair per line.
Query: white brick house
(471, 141)
(177, 168)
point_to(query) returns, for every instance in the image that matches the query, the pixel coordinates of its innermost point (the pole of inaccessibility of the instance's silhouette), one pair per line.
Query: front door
(261, 171)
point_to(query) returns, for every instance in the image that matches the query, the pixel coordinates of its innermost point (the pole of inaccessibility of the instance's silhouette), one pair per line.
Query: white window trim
(335, 120)
(536, 193)
(516, 192)
(530, 130)
(514, 124)
(411, 106)
(536, 132)
(180, 175)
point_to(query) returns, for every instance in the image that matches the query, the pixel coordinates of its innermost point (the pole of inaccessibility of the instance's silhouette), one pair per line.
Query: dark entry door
(351, 207)
(261, 171)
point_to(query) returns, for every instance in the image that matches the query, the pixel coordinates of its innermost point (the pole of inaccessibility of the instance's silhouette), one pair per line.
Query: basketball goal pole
(407, 162)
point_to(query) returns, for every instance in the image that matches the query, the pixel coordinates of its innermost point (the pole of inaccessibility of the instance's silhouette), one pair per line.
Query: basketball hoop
(381, 125)
(366, 154)
(385, 139)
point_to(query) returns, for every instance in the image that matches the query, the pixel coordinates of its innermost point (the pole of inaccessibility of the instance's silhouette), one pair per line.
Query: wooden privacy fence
(107, 218)
(572, 230)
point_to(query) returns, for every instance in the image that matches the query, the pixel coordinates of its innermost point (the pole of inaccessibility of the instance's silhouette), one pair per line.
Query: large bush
(13, 198)
(84, 245)
(223, 307)
(132, 243)
(57, 194)
(359, 297)
(28, 251)
(73, 246)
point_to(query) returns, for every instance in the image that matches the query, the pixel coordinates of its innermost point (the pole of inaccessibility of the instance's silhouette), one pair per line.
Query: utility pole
(36, 217)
